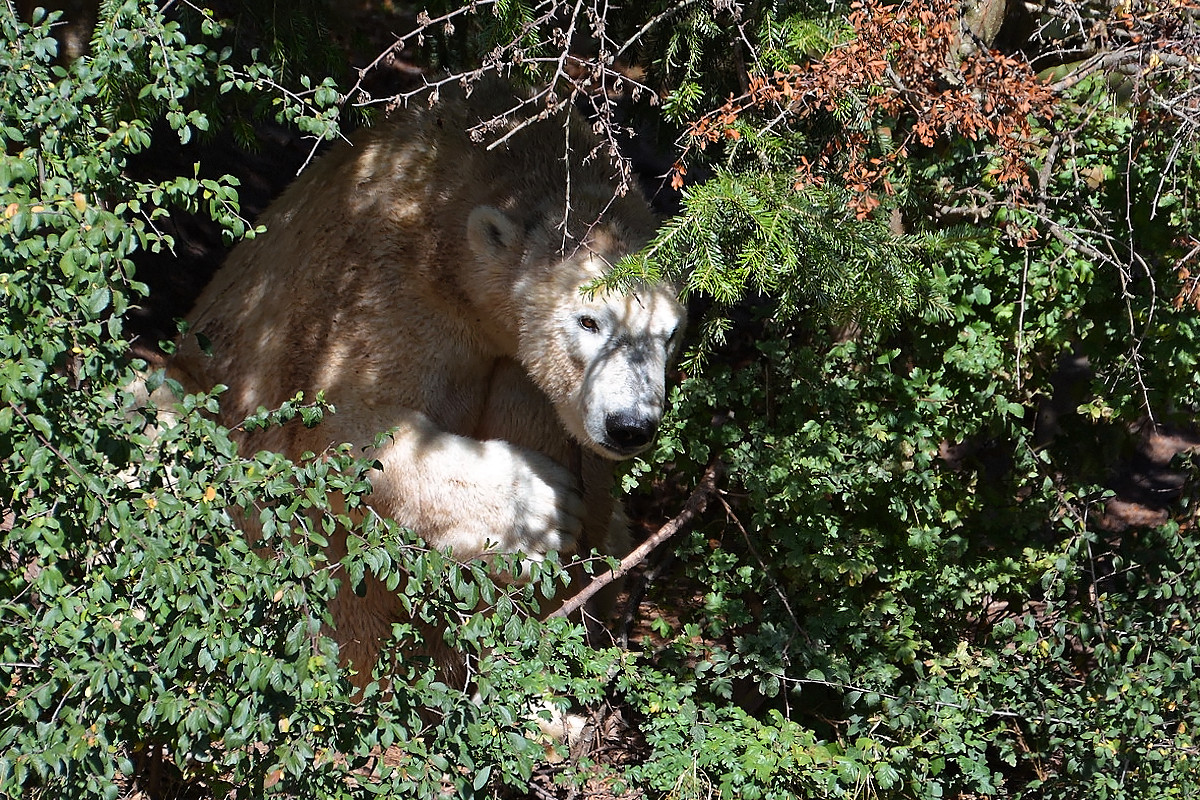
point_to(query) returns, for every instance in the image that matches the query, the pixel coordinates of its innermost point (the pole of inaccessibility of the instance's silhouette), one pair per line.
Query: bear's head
(601, 357)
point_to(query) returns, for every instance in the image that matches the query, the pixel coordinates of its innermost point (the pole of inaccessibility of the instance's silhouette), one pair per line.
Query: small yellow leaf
(151, 503)
(80, 200)
(38, 209)
(209, 494)
(285, 724)
(11, 210)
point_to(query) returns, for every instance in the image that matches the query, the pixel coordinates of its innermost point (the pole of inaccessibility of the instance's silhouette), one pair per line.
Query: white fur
(428, 288)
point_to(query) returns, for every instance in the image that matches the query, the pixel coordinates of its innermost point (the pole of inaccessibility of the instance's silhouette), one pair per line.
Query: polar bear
(435, 289)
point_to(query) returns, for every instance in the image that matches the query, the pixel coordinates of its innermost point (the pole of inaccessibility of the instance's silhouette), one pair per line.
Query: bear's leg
(518, 412)
(471, 496)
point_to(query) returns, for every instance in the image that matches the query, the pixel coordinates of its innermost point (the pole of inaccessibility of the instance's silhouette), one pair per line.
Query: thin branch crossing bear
(429, 286)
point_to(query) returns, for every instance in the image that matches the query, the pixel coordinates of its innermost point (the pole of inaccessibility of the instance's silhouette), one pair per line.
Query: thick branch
(694, 506)
(1128, 60)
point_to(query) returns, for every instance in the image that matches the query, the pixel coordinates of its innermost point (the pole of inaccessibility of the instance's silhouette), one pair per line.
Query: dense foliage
(146, 643)
(946, 267)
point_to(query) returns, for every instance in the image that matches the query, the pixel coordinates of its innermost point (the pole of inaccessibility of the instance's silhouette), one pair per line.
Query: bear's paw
(544, 506)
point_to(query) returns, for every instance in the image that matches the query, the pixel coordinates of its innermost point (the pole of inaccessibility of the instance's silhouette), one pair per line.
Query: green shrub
(902, 590)
(144, 638)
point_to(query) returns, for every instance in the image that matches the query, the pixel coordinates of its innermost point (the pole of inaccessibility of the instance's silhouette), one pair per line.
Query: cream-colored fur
(429, 287)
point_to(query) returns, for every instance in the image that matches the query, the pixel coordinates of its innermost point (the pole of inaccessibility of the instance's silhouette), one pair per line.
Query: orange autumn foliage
(903, 74)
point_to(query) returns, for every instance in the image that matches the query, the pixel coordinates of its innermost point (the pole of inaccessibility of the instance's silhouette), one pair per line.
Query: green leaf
(98, 301)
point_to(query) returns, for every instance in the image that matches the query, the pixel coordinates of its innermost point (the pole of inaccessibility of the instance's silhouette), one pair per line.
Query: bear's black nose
(629, 432)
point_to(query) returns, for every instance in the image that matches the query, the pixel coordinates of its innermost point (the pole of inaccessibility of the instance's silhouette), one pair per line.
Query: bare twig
(695, 505)
(636, 593)
(766, 570)
(992, 712)
(395, 48)
(652, 23)
(1129, 60)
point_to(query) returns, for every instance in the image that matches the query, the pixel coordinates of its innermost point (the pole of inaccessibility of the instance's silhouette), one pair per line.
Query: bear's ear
(491, 233)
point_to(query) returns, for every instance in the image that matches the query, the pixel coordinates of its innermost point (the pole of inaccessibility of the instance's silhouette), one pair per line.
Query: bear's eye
(589, 324)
